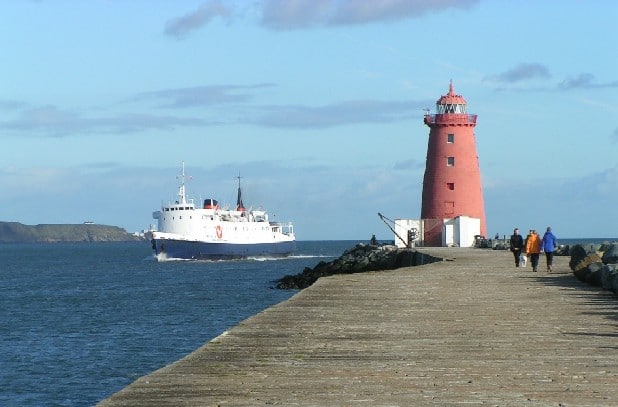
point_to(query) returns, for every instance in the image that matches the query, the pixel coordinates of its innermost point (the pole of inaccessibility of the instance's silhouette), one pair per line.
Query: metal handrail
(450, 118)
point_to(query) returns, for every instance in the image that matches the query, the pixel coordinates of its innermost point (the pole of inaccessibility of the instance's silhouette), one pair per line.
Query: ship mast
(239, 204)
(182, 196)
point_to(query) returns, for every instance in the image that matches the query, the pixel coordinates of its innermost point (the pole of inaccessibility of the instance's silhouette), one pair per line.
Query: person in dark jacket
(548, 245)
(517, 245)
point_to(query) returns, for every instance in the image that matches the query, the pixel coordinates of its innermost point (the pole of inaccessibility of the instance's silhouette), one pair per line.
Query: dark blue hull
(180, 249)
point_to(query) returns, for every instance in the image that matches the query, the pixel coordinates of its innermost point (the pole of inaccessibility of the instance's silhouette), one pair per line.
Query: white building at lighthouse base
(460, 231)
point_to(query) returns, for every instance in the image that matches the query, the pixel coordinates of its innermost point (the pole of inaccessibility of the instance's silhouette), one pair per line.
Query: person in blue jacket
(548, 245)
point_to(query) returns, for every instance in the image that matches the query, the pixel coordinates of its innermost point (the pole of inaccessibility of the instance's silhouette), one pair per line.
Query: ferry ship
(210, 232)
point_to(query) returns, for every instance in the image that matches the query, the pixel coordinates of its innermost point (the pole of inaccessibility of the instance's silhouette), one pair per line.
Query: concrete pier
(471, 331)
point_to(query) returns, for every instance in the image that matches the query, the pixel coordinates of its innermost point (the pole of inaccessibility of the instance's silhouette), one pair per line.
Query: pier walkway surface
(472, 331)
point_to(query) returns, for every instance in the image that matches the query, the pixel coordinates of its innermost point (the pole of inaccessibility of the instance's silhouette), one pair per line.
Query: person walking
(533, 248)
(517, 245)
(548, 245)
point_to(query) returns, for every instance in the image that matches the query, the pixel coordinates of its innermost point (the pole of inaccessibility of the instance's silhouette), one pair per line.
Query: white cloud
(181, 26)
(302, 14)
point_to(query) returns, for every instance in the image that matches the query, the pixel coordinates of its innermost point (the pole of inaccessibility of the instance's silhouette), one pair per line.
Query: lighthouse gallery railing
(450, 118)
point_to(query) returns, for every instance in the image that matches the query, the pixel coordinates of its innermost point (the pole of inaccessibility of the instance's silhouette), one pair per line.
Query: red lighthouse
(452, 181)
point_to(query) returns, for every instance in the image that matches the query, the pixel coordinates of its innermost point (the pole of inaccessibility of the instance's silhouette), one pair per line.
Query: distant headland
(15, 232)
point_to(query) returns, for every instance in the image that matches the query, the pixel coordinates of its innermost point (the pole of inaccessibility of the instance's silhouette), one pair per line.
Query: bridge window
(450, 186)
(450, 138)
(450, 161)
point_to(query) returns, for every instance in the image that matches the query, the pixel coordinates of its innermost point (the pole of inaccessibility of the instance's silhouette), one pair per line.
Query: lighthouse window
(450, 161)
(449, 207)
(450, 186)
(450, 138)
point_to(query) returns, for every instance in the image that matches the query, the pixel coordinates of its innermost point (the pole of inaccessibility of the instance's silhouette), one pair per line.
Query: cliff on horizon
(15, 232)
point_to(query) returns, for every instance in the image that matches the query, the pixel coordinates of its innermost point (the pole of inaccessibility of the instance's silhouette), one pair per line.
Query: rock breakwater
(360, 258)
(597, 266)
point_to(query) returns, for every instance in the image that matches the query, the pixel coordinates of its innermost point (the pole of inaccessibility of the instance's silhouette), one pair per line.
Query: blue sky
(317, 104)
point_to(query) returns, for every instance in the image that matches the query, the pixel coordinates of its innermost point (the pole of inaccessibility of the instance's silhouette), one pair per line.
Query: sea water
(80, 321)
